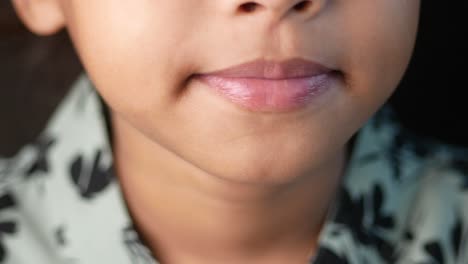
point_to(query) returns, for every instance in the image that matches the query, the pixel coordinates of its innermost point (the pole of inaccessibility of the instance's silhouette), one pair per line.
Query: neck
(184, 213)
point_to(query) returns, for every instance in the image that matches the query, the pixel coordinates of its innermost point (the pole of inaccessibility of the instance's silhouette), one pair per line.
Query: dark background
(35, 73)
(432, 98)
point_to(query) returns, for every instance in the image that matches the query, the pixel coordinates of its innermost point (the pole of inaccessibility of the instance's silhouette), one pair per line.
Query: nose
(281, 8)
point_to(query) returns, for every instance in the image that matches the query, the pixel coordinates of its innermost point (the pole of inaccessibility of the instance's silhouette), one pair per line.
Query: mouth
(269, 86)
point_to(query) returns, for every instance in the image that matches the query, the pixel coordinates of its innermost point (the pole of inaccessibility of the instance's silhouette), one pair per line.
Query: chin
(262, 167)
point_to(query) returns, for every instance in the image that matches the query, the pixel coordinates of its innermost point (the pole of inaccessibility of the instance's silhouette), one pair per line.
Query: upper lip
(266, 69)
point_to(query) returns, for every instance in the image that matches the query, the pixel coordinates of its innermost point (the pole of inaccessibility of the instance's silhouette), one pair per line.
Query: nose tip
(281, 7)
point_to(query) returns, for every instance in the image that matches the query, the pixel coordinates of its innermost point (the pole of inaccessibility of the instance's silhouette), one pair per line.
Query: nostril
(302, 6)
(248, 7)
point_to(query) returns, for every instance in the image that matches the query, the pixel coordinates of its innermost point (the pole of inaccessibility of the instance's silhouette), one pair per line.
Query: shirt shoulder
(33, 156)
(59, 189)
(404, 198)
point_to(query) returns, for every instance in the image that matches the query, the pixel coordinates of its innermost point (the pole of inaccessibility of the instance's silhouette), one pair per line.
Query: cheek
(380, 42)
(138, 57)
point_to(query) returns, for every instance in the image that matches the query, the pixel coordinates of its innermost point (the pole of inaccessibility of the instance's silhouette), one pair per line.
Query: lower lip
(270, 95)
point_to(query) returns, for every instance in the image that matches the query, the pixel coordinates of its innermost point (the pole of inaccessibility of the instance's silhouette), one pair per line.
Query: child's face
(143, 54)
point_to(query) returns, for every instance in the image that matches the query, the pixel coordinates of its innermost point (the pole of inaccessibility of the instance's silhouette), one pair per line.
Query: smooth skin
(207, 181)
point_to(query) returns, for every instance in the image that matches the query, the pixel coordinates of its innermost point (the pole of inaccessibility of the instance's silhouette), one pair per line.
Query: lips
(269, 86)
